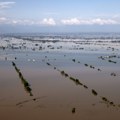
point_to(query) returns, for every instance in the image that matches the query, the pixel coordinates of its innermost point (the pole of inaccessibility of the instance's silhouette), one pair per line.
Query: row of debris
(77, 82)
(91, 66)
(108, 58)
(23, 80)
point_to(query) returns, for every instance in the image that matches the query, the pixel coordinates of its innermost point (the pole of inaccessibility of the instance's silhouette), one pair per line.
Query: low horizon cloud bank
(98, 21)
(52, 22)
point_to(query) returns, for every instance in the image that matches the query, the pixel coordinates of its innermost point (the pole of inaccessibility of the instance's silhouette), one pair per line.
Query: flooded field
(60, 77)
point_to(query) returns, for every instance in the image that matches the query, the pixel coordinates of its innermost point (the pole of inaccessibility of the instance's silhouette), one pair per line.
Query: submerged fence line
(78, 82)
(23, 80)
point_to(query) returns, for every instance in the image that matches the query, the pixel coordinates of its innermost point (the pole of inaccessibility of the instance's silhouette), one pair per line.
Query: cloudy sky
(59, 16)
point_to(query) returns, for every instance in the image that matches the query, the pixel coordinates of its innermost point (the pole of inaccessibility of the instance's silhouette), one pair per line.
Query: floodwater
(59, 84)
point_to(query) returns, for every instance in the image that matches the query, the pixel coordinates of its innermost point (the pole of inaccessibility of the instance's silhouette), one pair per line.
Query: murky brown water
(56, 96)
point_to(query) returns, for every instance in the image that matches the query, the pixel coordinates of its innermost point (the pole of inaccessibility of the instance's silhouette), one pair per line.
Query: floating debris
(72, 78)
(85, 86)
(93, 104)
(108, 102)
(13, 64)
(73, 110)
(73, 60)
(92, 67)
(66, 75)
(99, 69)
(113, 74)
(48, 63)
(111, 103)
(94, 92)
(105, 99)
(112, 61)
(101, 57)
(78, 82)
(62, 72)
(86, 64)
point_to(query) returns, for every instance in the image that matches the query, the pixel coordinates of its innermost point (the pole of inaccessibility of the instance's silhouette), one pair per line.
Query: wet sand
(61, 80)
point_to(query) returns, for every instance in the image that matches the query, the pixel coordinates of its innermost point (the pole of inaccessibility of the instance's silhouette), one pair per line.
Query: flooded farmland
(60, 77)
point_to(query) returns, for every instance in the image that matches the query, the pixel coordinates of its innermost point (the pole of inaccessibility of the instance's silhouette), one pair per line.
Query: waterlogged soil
(59, 85)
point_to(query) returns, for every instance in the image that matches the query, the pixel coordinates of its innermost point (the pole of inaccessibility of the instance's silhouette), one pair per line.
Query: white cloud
(21, 22)
(104, 21)
(52, 22)
(46, 22)
(3, 20)
(49, 21)
(97, 21)
(73, 21)
(6, 4)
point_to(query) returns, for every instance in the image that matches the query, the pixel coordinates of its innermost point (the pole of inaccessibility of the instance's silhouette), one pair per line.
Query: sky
(59, 16)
